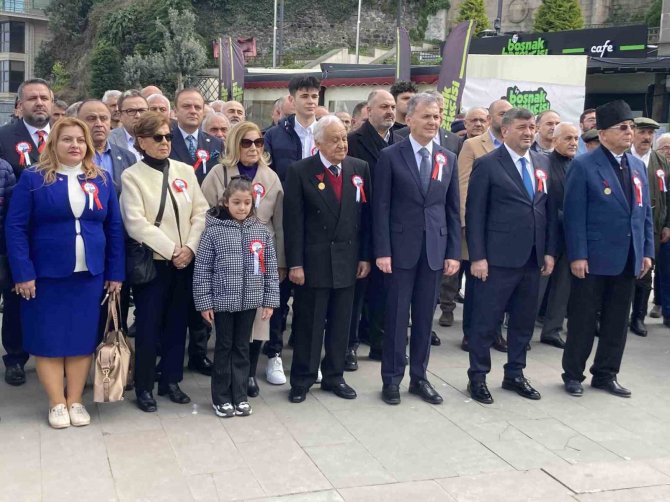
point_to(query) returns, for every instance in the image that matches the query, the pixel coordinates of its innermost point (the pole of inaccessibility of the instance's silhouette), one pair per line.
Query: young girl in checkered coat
(235, 274)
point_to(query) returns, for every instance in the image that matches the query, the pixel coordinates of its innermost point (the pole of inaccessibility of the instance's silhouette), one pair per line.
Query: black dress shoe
(252, 387)
(434, 339)
(15, 375)
(426, 391)
(340, 389)
(391, 394)
(201, 365)
(637, 326)
(465, 345)
(553, 340)
(500, 344)
(175, 394)
(146, 401)
(351, 360)
(574, 388)
(613, 387)
(375, 355)
(297, 394)
(480, 392)
(521, 386)
(459, 298)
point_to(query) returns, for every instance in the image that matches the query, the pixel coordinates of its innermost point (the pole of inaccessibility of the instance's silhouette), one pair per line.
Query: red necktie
(40, 142)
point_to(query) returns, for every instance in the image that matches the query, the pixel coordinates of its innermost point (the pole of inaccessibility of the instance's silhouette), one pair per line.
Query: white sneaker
(243, 409)
(274, 373)
(319, 376)
(78, 415)
(59, 417)
(224, 410)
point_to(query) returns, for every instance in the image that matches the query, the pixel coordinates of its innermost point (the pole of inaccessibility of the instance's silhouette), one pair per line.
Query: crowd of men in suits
(386, 213)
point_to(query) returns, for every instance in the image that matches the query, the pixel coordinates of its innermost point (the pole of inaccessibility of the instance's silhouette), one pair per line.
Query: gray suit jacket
(118, 137)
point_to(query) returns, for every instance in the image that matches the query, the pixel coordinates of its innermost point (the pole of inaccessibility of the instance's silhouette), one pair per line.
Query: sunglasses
(623, 127)
(246, 143)
(160, 137)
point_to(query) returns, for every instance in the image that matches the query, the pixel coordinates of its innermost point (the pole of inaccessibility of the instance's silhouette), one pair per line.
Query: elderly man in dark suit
(609, 233)
(416, 240)
(194, 147)
(21, 143)
(327, 235)
(366, 143)
(511, 240)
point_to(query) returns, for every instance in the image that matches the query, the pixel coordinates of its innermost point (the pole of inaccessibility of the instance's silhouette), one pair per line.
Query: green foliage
(426, 8)
(105, 69)
(68, 19)
(558, 15)
(44, 61)
(653, 17)
(475, 10)
(61, 77)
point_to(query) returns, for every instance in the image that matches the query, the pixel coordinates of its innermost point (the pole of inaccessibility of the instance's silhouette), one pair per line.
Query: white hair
(208, 118)
(664, 136)
(156, 97)
(322, 125)
(561, 126)
(110, 94)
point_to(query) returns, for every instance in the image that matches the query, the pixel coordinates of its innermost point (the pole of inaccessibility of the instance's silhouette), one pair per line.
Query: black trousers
(516, 289)
(276, 342)
(231, 356)
(641, 296)
(468, 298)
(416, 288)
(162, 317)
(198, 333)
(12, 335)
(360, 293)
(321, 308)
(611, 295)
(559, 294)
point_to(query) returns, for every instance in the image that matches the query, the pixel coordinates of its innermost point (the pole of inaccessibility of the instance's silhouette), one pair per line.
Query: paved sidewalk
(594, 448)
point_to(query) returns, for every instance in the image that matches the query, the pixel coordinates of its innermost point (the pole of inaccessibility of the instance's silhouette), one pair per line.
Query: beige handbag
(113, 358)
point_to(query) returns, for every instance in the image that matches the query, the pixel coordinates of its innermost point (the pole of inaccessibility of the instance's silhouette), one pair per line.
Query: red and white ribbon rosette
(440, 162)
(541, 180)
(202, 157)
(91, 190)
(660, 175)
(182, 187)
(315, 149)
(23, 149)
(357, 181)
(256, 248)
(259, 193)
(638, 190)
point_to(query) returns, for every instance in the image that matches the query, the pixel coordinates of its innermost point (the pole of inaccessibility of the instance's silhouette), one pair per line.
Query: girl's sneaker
(224, 410)
(243, 409)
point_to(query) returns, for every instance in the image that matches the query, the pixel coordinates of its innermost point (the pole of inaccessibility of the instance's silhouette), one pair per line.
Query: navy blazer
(121, 160)
(10, 136)
(405, 217)
(599, 226)
(40, 230)
(207, 142)
(502, 224)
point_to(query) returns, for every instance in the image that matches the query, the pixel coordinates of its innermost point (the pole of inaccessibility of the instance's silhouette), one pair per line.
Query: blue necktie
(191, 146)
(527, 182)
(424, 169)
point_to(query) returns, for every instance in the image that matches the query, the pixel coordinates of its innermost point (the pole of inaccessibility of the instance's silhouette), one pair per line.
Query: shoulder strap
(164, 189)
(225, 176)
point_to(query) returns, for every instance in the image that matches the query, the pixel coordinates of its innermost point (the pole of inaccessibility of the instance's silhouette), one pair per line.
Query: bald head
(497, 111)
(149, 90)
(476, 121)
(566, 139)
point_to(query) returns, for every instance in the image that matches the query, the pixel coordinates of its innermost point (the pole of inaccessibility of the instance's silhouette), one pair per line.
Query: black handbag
(140, 268)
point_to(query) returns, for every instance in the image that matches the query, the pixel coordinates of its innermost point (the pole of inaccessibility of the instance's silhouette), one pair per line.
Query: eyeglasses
(623, 127)
(246, 143)
(134, 111)
(160, 137)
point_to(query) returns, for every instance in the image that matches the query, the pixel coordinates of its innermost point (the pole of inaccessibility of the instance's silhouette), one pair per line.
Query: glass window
(12, 37)
(12, 73)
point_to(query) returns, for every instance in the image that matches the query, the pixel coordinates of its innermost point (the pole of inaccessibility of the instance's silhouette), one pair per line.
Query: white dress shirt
(644, 158)
(306, 135)
(327, 163)
(529, 164)
(416, 146)
(77, 198)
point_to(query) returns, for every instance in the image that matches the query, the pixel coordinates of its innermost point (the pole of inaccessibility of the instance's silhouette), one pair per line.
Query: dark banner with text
(231, 69)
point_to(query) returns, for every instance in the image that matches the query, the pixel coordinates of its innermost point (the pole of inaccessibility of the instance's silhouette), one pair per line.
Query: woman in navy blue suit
(65, 246)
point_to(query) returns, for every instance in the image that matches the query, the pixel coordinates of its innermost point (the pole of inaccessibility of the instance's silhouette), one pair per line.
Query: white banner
(535, 82)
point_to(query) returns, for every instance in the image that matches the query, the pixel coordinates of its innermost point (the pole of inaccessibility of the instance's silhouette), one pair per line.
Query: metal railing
(24, 6)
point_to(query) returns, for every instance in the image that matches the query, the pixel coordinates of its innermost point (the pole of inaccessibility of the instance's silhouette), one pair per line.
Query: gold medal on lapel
(321, 186)
(608, 191)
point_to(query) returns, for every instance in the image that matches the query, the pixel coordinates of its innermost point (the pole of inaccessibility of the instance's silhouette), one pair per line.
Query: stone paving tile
(202, 487)
(282, 467)
(603, 476)
(419, 491)
(524, 453)
(648, 494)
(238, 484)
(20, 476)
(325, 496)
(515, 486)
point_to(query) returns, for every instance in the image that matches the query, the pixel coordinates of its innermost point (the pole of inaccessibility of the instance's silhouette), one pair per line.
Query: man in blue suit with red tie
(609, 236)
(511, 235)
(416, 239)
